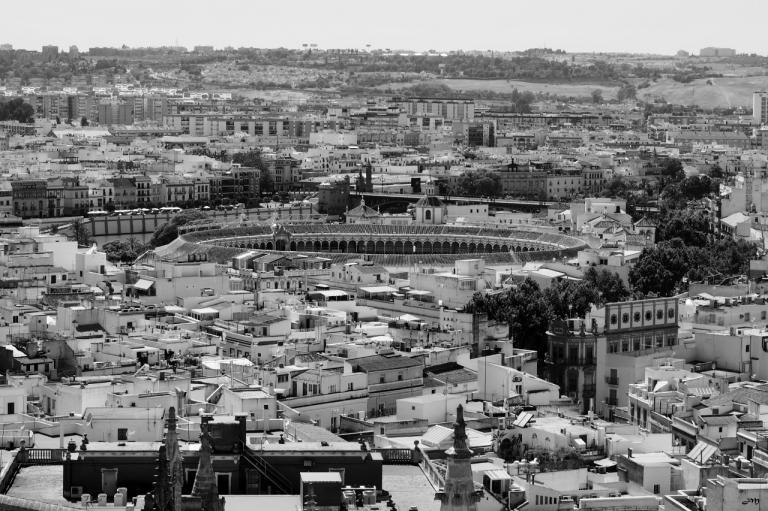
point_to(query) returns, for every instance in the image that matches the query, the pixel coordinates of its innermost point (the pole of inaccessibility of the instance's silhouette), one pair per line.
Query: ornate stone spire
(460, 435)
(459, 493)
(205, 480)
(175, 462)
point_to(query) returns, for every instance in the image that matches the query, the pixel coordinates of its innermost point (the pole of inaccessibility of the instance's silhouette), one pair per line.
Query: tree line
(126, 251)
(688, 247)
(17, 110)
(528, 310)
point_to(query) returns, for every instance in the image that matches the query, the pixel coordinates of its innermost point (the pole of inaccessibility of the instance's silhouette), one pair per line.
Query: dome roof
(429, 201)
(363, 211)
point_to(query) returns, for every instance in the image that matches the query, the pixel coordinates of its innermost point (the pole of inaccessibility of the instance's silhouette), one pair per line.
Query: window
(637, 317)
(122, 434)
(350, 386)
(648, 315)
(381, 378)
(659, 314)
(222, 483)
(656, 489)
(671, 313)
(625, 318)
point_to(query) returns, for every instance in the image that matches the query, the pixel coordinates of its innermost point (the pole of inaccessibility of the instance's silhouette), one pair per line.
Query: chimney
(629, 452)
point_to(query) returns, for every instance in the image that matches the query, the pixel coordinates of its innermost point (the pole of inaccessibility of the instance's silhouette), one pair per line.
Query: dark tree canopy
(478, 184)
(627, 91)
(673, 169)
(81, 233)
(609, 285)
(17, 110)
(168, 232)
(689, 225)
(266, 183)
(523, 308)
(124, 251)
(249, 159)
(571, 298)
(667, 268)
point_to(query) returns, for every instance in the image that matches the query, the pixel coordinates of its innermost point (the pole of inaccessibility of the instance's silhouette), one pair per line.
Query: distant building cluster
(372, 302)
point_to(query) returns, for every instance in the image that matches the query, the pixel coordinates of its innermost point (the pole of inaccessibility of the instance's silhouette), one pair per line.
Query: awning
(331, 293)
(143, 284)
(205, 310)
(408, 317)
(498, 475)
(378, 289)
(419, 292)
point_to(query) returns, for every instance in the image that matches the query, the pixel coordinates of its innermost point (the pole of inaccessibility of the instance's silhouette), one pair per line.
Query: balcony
(576, 361)
(612, 380)
(638, 393)
(683, 426)
(760, 457)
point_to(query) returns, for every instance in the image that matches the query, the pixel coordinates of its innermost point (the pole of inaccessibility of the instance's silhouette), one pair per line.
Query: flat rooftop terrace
(409, 487)
(43, 483)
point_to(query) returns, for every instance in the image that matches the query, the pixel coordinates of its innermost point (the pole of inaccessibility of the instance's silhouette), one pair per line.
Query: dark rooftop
(381, 363)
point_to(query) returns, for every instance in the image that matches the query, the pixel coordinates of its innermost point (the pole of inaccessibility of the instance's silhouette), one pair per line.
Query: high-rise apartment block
(760, 107)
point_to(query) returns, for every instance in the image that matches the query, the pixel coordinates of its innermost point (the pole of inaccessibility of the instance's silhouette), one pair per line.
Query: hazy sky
(646, 26)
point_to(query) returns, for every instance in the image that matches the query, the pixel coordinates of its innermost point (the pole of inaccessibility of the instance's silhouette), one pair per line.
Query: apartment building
(636, 334)
(523, 181)
(448, 109)
(564, 185)
(389, 379)
(571, 357)
(285, 171)
(30, 198)
(324, 395)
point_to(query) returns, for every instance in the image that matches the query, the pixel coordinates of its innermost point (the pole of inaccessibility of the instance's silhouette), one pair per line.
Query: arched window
(428, 215)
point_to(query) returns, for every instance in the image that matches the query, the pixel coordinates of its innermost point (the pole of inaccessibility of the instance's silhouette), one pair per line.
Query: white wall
(435, 408)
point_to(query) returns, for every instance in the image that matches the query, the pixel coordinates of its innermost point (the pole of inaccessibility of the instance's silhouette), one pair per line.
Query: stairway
(270, 474)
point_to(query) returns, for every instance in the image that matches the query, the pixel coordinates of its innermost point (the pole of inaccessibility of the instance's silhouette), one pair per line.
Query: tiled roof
(380, 363)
